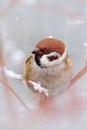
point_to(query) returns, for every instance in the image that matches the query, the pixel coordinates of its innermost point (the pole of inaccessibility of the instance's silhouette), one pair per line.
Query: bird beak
(36, 51)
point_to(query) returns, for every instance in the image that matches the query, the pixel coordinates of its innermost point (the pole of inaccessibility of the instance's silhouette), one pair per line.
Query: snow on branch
(11, 74)
(36, 86)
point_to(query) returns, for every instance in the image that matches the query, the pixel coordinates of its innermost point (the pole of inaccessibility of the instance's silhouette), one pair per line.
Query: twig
(36, 86)
(5, 84)
(79, 75)
(4, 80)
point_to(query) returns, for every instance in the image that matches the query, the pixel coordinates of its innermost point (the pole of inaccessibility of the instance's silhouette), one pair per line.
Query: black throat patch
(37, 59)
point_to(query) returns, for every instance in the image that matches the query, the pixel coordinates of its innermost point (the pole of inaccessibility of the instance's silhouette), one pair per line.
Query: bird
(49, 64)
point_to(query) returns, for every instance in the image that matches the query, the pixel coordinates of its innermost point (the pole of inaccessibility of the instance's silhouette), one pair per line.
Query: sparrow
(49, 64)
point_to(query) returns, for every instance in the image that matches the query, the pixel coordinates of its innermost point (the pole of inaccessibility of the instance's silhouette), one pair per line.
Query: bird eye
(47, 51)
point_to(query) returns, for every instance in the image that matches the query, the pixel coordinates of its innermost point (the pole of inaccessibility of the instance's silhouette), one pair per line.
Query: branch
(79, 75)
(5, 84)
(36, 86)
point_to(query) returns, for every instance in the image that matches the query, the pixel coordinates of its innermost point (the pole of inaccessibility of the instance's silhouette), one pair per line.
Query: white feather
(45, 62)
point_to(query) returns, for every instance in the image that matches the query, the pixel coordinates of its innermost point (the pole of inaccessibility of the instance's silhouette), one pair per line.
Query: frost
(36, 86)
(39, 88)
(12, 74)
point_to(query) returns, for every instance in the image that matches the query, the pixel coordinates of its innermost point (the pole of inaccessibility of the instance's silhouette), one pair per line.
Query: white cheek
(44, 61)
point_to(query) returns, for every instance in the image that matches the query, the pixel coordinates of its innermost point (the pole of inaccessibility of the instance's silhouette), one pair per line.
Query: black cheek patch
(51, 58)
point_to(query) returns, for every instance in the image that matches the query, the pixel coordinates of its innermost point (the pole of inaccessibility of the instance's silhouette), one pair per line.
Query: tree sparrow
(50, 65)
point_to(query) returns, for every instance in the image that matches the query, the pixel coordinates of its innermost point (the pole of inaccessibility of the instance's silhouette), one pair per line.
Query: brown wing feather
(27, 73)
(28, 68)
(68, 63)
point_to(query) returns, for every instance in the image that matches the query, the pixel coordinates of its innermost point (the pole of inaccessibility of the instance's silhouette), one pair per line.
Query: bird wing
(68, 62)
(27, 71)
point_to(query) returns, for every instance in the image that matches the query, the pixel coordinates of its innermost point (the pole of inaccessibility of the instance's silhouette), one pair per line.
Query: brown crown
(52, 44)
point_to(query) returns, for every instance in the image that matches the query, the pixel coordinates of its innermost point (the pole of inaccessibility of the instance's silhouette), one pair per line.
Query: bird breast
(54, 78)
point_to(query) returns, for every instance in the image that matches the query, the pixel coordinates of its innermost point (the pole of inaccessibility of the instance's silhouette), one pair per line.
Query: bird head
(49, 51)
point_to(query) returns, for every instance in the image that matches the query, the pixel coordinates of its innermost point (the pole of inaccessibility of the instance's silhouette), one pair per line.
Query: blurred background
(22, 24)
